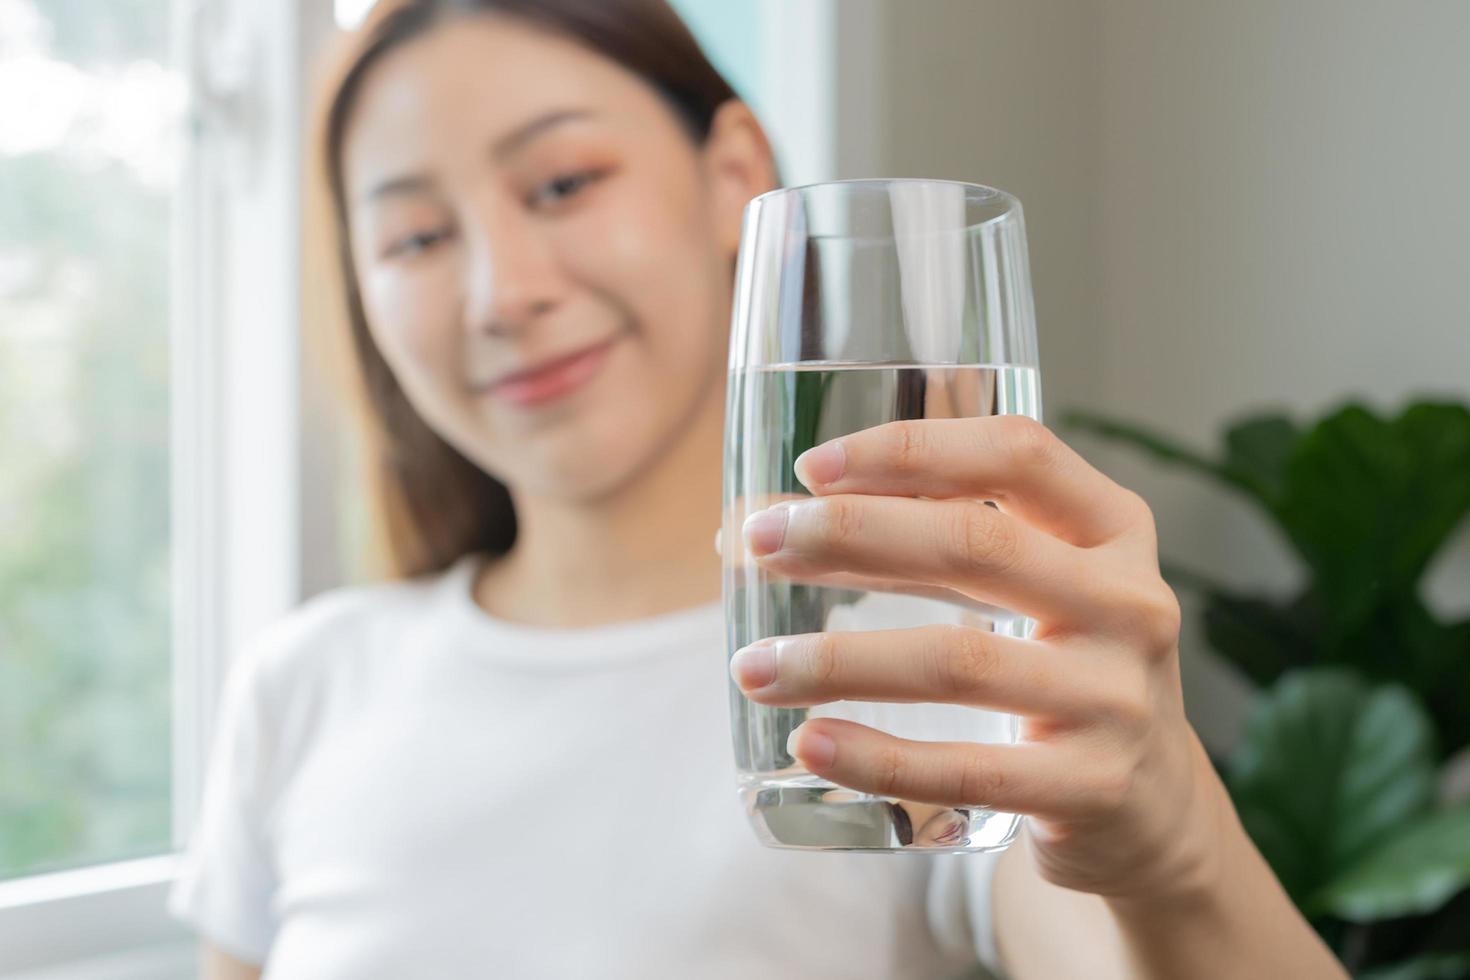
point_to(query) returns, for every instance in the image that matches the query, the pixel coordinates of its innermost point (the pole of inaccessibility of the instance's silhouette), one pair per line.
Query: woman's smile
(551, 379)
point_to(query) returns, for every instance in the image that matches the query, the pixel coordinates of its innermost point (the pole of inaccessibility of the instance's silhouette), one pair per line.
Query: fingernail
(813, 748)
(719, 541)
(754, 666)
(822, 464)
(766, 529)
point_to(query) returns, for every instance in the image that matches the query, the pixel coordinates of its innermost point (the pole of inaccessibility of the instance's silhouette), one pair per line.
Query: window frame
(236, 460)
(799, 51)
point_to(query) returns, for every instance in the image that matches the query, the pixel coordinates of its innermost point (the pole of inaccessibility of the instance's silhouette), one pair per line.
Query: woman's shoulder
(350, 625)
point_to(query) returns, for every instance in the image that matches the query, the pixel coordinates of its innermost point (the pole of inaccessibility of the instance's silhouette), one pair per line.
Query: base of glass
(803, 812)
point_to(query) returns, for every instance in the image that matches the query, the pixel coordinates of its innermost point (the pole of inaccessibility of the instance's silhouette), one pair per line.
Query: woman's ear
(738, 164)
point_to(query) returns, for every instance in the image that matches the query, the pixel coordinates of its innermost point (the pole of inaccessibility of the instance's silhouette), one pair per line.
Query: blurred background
(1248, 211)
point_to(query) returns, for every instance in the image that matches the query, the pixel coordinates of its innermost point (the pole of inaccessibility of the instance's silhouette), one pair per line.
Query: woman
(514, 761)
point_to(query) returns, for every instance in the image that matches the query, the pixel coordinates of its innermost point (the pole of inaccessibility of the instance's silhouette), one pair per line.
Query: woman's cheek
(652, 268)
(414, 321)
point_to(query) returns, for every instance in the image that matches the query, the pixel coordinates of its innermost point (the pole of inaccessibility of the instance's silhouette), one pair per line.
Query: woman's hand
(1123, 800)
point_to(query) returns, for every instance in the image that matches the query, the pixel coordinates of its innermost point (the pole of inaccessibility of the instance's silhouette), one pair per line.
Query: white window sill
(103, 923)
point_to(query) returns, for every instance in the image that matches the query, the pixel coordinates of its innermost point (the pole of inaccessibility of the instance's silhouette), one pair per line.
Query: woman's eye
(416, 243)
(560, 188)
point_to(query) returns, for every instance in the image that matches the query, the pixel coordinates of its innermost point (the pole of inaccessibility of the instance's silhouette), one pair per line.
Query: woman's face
(544, 255)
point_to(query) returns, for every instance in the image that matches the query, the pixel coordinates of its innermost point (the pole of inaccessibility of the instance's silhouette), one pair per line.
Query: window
(88, 166)
(151, 447)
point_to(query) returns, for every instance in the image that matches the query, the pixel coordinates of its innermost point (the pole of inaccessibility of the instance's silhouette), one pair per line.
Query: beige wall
(1230, 205)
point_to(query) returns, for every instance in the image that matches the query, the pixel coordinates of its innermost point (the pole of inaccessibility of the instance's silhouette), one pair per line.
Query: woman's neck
(644, 550)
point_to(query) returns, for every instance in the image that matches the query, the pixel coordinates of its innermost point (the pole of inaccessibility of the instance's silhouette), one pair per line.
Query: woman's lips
(553, 379)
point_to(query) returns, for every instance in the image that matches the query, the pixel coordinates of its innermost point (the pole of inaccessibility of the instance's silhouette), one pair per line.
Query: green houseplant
(1365, 693)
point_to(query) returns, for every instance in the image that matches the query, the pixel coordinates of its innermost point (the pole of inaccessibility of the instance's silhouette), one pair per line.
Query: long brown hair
(431, 504)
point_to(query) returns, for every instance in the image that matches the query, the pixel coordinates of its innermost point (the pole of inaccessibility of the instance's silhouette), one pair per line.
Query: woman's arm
(216, 964)
(1042, 930)
(1239, 925)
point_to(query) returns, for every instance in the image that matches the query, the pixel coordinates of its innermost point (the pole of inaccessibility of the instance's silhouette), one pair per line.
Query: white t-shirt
(404, 787)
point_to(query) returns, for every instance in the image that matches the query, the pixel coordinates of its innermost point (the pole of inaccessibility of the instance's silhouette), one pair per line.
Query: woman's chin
(600, 450)
(574, 476)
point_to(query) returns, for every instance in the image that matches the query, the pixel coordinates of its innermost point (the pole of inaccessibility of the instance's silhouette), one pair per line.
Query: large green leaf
(1329, 767)
(1401, 641)
(1413, 871)
(1257, 451)
(1368, 501)
(1261, 637)
(1450, 700)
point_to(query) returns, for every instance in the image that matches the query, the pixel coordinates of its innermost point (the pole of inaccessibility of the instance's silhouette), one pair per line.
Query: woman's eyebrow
(398, 186)
(526, 132)
(508, 144)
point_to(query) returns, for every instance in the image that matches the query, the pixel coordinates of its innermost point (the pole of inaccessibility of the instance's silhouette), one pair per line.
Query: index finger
(1010, 459)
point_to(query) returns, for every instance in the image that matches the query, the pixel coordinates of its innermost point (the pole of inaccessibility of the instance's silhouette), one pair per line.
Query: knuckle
(987, 541)
(967, 662)
(980, 784)
(889, 771)
(1139, 516)
(1139, 507)
(909, 445)
(820, 661)
(1159, 619)
(1033, 444)
(839, 521)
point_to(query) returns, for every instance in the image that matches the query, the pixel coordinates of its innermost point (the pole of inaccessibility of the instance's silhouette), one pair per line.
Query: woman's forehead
(474, 82)
(493, 73)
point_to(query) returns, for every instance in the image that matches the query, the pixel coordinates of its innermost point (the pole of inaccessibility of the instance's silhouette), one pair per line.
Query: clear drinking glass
(859, 303)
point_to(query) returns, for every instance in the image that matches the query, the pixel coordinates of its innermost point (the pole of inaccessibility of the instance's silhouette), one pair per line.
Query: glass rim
(1010, 205)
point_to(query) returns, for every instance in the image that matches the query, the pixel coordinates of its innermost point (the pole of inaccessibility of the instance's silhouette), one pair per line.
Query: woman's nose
(512, 276)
